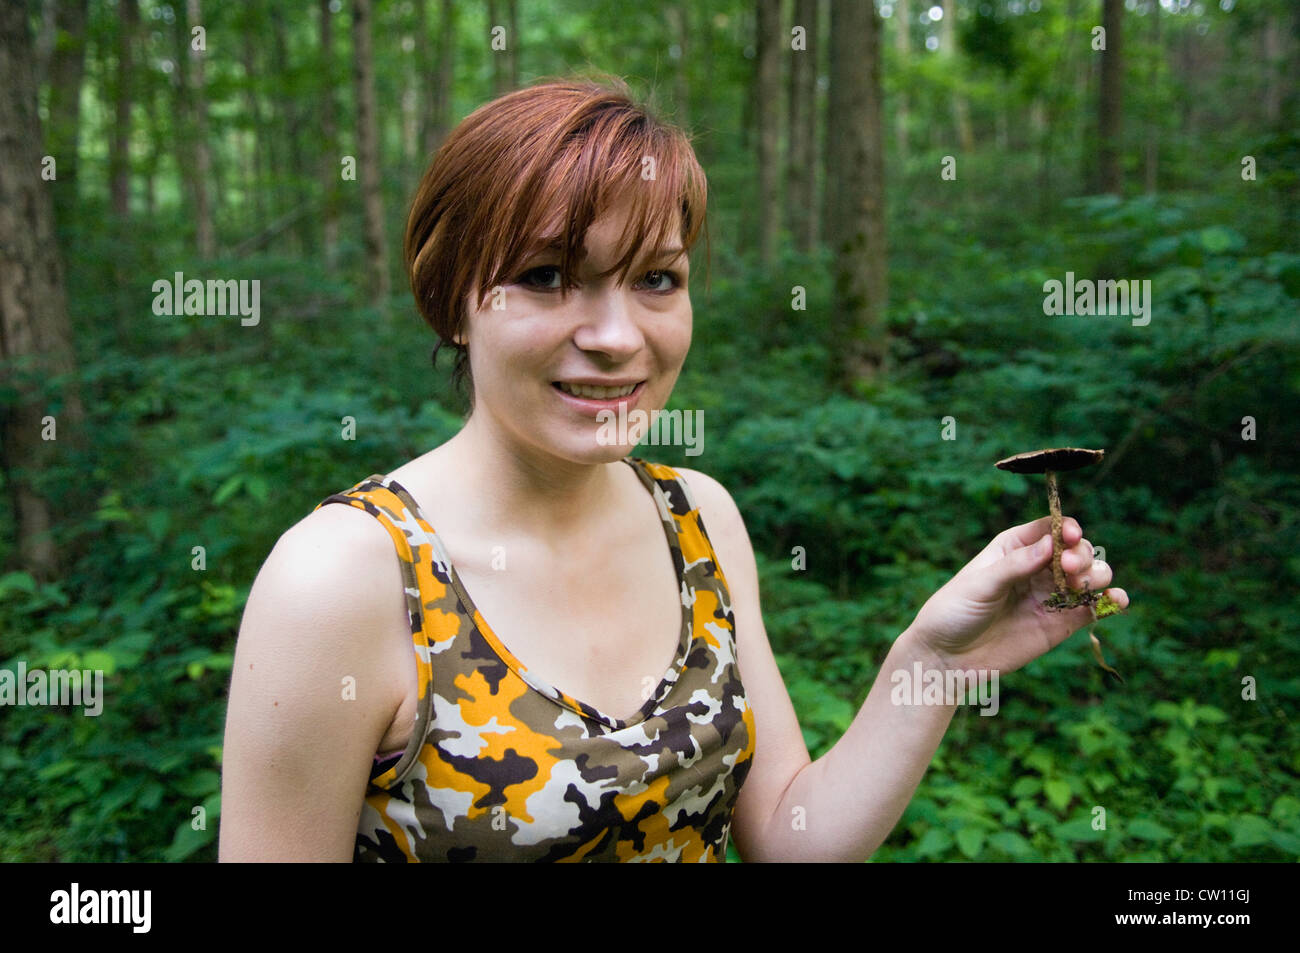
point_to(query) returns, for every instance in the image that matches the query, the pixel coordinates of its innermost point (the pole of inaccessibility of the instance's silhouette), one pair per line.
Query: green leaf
(97, 660)
(199, 784)
(1009, 842)
(1079, 830)
(970, 840)
(57, 770)
(187, 840)
(935, 842)
(1144, 829)
(1250, 830)
(1058, 793)
(1026, 787)
(228, 489)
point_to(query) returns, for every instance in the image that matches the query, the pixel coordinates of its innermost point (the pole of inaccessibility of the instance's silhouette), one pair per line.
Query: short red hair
(560, 151)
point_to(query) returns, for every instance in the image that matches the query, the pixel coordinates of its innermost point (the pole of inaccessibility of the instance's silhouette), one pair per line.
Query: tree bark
(768, 78)
(330, 168)
(1151, 159)
(960, 108)
(205, 233)
(800, 171)
(438, 73)
(256, 158)
(67, 67)
(500, 58)
(119, 156)
(363, 76)
(856, 179)
(1110, 101)
(37, 360)
(903, 44)
(678, 15)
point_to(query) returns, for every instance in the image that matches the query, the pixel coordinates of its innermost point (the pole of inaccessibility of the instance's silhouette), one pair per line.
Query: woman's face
(533, 355)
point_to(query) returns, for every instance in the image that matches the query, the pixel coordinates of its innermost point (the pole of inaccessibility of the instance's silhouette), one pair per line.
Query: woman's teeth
(598, 393)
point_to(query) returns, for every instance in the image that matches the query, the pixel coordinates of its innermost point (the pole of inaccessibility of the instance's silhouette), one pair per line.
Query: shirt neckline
(535, 681)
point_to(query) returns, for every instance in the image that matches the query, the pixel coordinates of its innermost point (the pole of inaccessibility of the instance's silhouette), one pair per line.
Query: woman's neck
(509, 488)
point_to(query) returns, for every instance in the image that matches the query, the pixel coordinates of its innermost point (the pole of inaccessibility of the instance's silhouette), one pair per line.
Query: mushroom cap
(1057, 459)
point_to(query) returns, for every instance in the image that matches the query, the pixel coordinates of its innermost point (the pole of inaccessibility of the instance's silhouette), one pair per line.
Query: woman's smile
(591, 400)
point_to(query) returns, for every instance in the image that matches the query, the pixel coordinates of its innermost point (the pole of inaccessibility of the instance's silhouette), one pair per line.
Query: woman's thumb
(1023, 562)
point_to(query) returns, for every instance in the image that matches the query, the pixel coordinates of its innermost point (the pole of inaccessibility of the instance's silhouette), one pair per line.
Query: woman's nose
(610, 325)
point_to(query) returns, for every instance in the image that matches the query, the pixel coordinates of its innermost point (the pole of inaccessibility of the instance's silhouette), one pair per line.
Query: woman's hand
(990, 615)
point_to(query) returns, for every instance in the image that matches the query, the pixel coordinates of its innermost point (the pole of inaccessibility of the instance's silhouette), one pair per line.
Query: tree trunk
(1110, 101)
(800, 171)
(330, 168)
(438, 116)
(257, 186)
(903, 44)
(34, 326)
(1273, 69)
(291, 116)
(45, 41)
(205, 234)
(119, 155)
(500, 57)
(363, 76)
(678, 15)
(768, 78)
(1151, 159)
(856, 180)
(67, 67)
(512, 51)
(960, 109)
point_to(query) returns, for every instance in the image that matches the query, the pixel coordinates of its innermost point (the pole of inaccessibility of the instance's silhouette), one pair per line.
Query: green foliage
(209, 434)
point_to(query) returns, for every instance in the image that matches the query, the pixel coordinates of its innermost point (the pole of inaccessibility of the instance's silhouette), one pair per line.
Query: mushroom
(1052, 462)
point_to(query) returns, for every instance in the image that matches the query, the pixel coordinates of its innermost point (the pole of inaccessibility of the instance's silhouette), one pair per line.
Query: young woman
(562, 663)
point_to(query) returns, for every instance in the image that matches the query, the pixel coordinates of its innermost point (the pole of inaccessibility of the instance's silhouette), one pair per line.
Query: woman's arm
(299, 743)
(842, 806)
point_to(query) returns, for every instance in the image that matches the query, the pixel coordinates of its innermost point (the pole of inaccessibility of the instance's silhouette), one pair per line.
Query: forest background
(891, 188)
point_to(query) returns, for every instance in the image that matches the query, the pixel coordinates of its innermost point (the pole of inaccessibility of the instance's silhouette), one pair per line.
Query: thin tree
(903, 46)
(768, 99)
(37, 420)
(372, 199)
(948, 48)
(67, 68)
(438, 78)
(119, 156)
(856, 179)
(200, 174)
(800, 170)
(1110, 101)
(329, 168)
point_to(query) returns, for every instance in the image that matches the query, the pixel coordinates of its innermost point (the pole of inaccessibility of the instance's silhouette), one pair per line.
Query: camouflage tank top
(502, 766)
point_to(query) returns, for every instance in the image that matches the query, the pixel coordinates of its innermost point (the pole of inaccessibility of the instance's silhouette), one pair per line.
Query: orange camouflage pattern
(502, 766)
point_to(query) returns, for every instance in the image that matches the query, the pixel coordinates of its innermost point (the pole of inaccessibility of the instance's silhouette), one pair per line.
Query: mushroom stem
(1058, 543)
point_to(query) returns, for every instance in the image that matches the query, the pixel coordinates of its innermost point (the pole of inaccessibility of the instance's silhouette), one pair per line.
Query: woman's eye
(654, 279)
(546, 278)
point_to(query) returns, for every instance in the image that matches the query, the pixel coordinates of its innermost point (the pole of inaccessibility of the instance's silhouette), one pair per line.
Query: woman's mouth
(593, 399)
